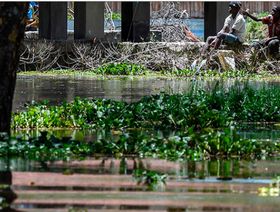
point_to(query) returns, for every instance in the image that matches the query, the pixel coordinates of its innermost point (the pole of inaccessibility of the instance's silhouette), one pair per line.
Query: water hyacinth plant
(198, 108)
(121, 69)
(187, 145)
(150, 178)
(203, 123)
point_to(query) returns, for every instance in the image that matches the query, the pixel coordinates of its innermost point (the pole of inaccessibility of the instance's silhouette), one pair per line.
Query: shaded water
(59, 89)
(129, 89)
(107, 184)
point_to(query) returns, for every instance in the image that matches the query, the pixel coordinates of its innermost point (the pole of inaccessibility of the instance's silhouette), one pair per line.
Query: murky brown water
(129, 89)
(57, 90)
(107, 184)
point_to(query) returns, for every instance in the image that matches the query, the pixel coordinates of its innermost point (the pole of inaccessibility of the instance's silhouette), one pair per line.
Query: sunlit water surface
(107, 184)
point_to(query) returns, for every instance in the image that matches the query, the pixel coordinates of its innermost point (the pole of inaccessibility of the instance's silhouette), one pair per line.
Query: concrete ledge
(39, 54)
(109, 35)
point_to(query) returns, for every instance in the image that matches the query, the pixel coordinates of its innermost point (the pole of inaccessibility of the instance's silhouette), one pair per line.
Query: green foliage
(198, 109)
(113, 16)
(256, 30)
(182, 145)
(152, 179)
(43, 148)
(252, 74)
(70, 17)
(121, 69)
(197, 119)
(209, 73)
(250, 105)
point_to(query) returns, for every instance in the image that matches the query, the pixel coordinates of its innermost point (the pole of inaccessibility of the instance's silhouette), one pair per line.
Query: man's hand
(244, 12)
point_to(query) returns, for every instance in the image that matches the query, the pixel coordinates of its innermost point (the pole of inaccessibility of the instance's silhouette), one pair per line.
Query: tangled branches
(83, 56)
(170, 21)
(43, 55)
(152, 55)
(39, 56)
(156, 56)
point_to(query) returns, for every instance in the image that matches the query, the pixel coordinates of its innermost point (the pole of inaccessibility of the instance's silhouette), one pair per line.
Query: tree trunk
(12, 27)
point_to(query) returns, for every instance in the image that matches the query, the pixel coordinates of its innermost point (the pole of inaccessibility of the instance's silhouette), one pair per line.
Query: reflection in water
(58, 90)
(128, 89)
(107, 183)
(180, 170)
(7, 195)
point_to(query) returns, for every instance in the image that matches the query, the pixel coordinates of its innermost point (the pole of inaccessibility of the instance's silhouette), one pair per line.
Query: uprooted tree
(12, 27)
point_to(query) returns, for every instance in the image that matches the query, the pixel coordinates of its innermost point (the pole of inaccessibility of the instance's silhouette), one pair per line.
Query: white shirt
(238, 24)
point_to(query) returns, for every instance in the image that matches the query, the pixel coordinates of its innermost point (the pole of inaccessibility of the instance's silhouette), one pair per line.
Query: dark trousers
(273, 47)
(271, 44)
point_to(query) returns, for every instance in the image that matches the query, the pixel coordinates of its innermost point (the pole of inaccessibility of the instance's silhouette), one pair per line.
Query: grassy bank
(134, 70)
(212, 74)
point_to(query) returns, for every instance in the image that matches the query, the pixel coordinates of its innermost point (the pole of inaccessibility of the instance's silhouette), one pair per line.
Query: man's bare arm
(251, 16)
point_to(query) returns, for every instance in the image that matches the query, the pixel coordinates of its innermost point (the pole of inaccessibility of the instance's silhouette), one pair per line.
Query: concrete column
(215, 14)
(53, 20)
(88, 20)
(135, 21)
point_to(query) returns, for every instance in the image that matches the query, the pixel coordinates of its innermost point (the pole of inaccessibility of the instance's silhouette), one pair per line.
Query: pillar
(88, 20)
(53, 20)
(135, 21)
(215, 14)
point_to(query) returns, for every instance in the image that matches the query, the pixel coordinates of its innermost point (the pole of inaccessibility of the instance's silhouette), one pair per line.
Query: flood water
(129, 89)
(107, 184)
(57, 90)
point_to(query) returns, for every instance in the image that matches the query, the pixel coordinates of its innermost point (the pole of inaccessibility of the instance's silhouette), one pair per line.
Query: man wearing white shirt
(233, 31)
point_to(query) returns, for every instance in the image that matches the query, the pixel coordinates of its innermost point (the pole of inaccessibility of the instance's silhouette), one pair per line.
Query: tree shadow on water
(7, 195)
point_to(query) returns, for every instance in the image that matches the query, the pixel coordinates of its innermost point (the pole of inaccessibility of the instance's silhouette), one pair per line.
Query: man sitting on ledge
(233, 31)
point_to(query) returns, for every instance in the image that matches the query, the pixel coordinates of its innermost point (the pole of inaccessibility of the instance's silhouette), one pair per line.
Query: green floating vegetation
(187, 145)
(213, 73)
(198, 109)
(203, 124)
(130, 69)
(150, 178)
(121, 69)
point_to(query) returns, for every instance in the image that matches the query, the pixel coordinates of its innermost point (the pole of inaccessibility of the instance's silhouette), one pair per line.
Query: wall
(196, 9)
